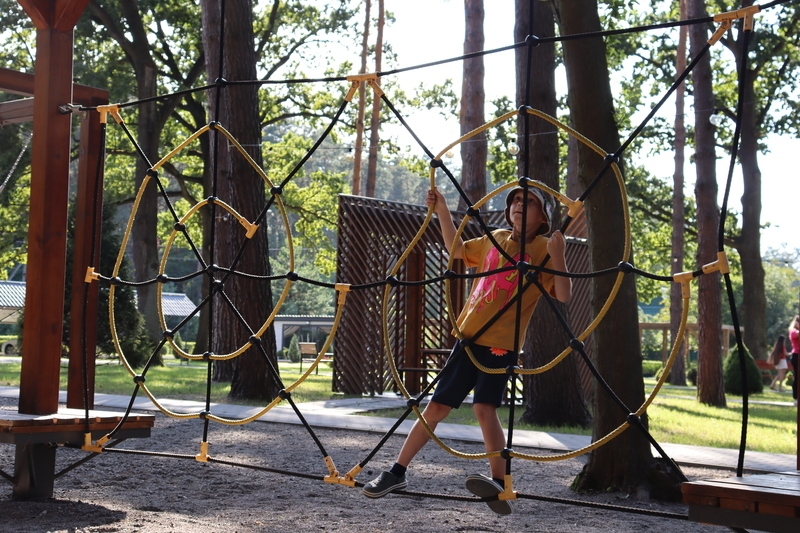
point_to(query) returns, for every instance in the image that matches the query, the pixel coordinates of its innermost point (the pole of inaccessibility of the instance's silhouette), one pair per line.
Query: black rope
(531, 276)
(746, 36)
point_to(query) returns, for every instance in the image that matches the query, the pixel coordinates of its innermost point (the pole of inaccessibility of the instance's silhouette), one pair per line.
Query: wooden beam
(16, 111)
(86, 252)
(44, 298)
(14, 82)
(59, 15)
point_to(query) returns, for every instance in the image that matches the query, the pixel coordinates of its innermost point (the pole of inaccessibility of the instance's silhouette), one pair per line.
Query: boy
(494, 348)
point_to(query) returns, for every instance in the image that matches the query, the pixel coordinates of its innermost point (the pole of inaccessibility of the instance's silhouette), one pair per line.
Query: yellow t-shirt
(491, 293)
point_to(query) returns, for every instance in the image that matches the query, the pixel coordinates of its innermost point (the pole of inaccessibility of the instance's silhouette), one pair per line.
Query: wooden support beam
(44, 298)
(16, 111)
(86, 252)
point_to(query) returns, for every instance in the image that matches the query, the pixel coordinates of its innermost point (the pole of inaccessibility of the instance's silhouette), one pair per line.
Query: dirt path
(130, 493)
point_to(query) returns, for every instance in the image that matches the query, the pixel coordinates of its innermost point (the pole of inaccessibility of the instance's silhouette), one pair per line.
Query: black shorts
(460, 376)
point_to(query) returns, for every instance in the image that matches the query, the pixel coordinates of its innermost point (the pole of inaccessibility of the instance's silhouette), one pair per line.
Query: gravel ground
(133, 493)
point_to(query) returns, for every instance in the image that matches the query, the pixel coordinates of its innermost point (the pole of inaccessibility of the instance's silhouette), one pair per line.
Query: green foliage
(652, 368)
(294, 354)
(502, 165)
(303, 298)
(782, 296)
(128, 321)
(732, 372)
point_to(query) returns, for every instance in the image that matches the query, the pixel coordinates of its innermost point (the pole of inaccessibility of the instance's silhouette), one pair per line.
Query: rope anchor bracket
(112, 109)
(97, 447)
(334, 478)
(726, 21)
(91, 275)
(720, 265)
(371, 78)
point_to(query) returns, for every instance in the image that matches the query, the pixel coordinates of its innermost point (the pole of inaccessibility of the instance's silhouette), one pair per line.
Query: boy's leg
(493, 436)
(480, 485)
(434, 413)
(389, 481)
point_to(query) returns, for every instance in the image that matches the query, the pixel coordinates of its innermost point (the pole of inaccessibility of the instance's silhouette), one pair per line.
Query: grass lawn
(187, 382)
(675, 416)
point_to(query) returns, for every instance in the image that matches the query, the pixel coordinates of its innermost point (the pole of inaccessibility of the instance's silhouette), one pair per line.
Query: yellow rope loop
(449, 304)
(720, 265)
(301, 379)
(181, 146)
(91, 275)
(202, 457)
(574, 453)
(162, 269)
(475, 132)
(109, 109)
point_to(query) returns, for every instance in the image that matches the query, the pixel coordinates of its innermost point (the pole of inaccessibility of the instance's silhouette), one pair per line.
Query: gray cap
(544, 199)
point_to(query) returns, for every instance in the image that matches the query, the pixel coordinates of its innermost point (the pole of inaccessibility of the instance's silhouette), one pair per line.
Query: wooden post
(412, 354)
(44, 292)
(86, 252)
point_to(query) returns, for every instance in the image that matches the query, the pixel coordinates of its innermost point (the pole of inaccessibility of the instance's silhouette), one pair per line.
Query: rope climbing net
(529, 280)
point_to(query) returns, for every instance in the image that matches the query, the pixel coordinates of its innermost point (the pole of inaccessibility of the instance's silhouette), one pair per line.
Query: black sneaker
(384, 484)
(485, 487)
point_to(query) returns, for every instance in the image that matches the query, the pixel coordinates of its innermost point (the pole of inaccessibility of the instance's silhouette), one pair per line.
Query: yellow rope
(573, 207)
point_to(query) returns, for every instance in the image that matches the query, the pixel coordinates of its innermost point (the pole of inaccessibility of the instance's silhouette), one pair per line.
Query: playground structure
(420, 341)
(38, 396)
(40, 421)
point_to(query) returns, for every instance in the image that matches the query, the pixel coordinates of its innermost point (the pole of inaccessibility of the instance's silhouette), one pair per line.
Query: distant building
(306, 327)
(12, 301)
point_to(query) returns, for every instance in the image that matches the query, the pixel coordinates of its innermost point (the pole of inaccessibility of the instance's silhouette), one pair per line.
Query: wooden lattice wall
(373, 234)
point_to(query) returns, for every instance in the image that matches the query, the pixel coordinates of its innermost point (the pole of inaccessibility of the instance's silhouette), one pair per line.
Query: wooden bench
(308, 354)
(34, 436)
(767, 370)
(766, 502)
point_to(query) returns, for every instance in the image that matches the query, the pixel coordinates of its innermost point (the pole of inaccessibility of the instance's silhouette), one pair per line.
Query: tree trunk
(754, 303)
(362, 102)
(626, 463)
(241, 187)
(678, 374)
(710, 388)
(144, 245)
(475, 151)
(554, 397)
(375, 123)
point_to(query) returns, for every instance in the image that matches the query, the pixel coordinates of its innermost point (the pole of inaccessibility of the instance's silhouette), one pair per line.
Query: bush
(651, 368)
(691, 375)
(294, 354)
(731, 371)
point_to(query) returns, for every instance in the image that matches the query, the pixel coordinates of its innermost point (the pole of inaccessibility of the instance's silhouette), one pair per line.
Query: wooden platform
(767, 502)
(35, 437)
(69, 426)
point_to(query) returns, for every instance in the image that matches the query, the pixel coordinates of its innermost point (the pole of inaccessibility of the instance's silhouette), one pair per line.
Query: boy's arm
(556, 247)
(439, 204)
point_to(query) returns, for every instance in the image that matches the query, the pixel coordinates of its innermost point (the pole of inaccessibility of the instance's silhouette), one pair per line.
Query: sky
(431, 30)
